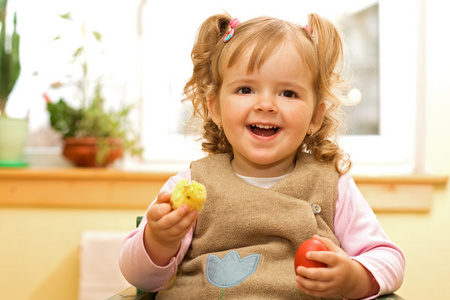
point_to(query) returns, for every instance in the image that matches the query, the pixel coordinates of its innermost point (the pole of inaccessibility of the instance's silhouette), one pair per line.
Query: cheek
(232, 110)
(298, 117)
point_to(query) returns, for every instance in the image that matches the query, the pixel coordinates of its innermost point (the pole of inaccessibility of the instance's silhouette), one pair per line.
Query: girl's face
(266, 114)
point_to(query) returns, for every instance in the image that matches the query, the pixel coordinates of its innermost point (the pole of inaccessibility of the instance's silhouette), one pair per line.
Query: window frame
(397, 150)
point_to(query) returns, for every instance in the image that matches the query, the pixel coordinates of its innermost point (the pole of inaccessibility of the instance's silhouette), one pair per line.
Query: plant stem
(2, 106)
(84, 65)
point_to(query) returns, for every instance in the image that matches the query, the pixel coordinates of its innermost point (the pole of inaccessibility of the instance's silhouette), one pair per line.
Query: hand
(166, 228)
(343, 276)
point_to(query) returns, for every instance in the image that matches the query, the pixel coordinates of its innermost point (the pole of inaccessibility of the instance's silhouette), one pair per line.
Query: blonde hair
(322, 51)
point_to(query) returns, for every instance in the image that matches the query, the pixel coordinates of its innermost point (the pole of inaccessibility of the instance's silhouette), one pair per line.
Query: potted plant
(92, 136)
(13, 132)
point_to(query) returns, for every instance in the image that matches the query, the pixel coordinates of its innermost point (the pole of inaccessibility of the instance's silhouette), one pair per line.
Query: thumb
(163, 197)
(160, 207)
(327, 242)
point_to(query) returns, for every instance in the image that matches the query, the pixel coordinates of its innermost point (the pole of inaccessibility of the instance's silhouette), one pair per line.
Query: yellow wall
(39, 252)
(425, 238)
(39, 247)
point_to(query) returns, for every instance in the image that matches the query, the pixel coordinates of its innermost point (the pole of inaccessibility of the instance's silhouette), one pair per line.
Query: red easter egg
(305, 247)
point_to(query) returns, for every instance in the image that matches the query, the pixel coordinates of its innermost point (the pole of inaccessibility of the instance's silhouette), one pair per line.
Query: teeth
(264, 126)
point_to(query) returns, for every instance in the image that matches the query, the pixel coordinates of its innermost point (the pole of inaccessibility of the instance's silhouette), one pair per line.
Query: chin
(268, 162)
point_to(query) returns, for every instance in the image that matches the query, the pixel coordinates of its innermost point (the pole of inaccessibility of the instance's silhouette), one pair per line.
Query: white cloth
(100, 276)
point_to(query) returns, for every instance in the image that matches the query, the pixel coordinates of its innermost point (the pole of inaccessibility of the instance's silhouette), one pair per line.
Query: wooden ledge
(79, 174)
(79, 188)
(411, 179)
(110, 188)
(400, 193)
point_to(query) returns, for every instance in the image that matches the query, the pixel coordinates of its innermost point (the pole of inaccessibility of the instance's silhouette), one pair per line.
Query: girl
(267, 92)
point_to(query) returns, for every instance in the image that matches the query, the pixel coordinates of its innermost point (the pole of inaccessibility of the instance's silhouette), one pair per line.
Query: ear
(214, 108)
(318, 116)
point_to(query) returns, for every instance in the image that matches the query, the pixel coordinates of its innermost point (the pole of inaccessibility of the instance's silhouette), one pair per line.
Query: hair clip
(308, 30)
(233, 23)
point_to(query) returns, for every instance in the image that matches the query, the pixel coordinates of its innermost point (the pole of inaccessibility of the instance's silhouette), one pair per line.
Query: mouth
(263, 130)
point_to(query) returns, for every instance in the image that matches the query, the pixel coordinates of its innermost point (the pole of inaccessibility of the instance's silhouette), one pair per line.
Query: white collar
(263, 182)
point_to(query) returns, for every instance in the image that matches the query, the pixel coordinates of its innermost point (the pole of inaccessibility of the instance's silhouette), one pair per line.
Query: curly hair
(321, 47)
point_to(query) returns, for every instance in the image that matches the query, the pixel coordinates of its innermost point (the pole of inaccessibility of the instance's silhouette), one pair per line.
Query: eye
(289, 94)
(244, 90)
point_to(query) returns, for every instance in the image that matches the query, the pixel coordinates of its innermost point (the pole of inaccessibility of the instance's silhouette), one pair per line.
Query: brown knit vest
(246, 237)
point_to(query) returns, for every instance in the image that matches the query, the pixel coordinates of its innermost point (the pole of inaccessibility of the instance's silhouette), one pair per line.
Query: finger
(192, 216)
(327, 242)
(160, 207)
(174, 229)
(186, 223)
(185, 217)
(163, 197)
(318, 274)
(330, 258)
(158, 211)
(310, 286)
(171, 217)
(179, 219)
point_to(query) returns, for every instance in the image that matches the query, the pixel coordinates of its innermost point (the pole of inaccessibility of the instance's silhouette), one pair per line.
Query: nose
(266, 103)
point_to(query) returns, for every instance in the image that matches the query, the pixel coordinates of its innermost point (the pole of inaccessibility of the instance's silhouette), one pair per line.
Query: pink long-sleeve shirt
(355, 226)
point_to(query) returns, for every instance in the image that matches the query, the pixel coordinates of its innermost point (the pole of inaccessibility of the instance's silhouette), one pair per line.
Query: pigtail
(205, 79)
(199, 85)
(329, 49)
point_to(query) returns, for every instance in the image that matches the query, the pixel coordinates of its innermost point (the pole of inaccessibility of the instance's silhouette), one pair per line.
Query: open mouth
(263, 130)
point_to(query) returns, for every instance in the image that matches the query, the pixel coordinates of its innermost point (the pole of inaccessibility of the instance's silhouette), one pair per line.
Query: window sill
(79, 188)
(110, 188)
(412, 193)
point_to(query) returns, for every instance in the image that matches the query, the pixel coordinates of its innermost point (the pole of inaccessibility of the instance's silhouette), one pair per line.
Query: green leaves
(97, 36)
(66, 16)
(9, 58)
(94, 121)
(64, 118)
(98, 122)
(91, 119)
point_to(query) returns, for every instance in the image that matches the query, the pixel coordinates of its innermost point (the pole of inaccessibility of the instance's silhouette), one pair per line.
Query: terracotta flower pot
(83, 151)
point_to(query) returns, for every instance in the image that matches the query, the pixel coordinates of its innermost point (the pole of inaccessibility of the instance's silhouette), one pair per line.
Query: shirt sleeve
(362, 238)
(137, 266)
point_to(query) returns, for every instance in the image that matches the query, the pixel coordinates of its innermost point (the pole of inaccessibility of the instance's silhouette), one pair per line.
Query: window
(382, 139)
(45, 60)
(396, 148)
(151, 64)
